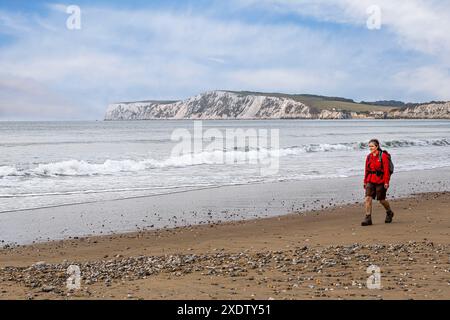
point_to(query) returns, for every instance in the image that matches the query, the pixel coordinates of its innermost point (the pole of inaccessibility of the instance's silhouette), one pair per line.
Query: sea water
(44, 164)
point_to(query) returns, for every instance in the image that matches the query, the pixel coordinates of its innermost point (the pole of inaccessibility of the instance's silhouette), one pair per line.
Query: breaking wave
(409, 143)
(109, 167)
(7, 171)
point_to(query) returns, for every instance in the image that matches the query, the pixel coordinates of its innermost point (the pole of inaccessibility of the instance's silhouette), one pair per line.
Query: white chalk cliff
(234, 105)
(424, 111)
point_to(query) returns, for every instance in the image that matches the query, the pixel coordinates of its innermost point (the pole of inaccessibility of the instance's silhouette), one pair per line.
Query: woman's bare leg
(386, 205)
(368, 219)
(368, 206)
(389, 213)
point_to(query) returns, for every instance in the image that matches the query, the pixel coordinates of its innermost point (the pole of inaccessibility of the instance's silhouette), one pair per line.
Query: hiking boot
(389, 215)
(367, 221)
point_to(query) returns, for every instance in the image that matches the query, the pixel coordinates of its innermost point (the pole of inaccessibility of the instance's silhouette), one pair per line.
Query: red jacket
(373, 164)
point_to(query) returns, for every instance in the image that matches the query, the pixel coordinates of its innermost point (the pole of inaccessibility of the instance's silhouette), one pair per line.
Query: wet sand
(209, 205)
(322, 254)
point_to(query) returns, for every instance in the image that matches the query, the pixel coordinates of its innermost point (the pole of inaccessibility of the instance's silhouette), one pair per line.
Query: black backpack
(391, 164)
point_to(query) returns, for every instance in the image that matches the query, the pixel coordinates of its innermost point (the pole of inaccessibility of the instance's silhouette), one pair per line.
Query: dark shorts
(377, 191)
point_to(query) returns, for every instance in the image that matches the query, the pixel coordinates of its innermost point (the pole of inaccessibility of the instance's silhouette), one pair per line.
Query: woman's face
(372, 147)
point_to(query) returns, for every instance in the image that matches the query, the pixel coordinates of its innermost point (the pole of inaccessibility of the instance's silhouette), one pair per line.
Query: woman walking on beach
(376, 181)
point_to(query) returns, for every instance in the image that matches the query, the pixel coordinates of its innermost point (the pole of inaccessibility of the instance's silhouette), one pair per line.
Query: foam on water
(53, 163)
(76, 167)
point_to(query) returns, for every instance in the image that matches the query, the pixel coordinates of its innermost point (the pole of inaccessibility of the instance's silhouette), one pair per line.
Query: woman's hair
(376, 143)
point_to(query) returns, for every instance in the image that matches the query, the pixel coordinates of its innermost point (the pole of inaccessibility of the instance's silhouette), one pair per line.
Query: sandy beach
(322, 254)
(213, 150)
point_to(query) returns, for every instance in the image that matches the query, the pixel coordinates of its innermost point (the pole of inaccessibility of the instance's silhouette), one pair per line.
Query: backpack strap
(381, 159)
(367, 166)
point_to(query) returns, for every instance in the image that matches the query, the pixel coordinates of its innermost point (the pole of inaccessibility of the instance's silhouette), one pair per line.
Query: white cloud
(218, 60)
(147, 54)
(13, 23)
(418, 24)
(26, 99)
(287, 80)
(417, 82)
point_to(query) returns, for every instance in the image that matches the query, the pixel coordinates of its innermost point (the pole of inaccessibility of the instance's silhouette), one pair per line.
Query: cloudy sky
(140, 50)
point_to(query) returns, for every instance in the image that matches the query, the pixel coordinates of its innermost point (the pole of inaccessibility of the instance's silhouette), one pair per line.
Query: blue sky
(139, 50)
